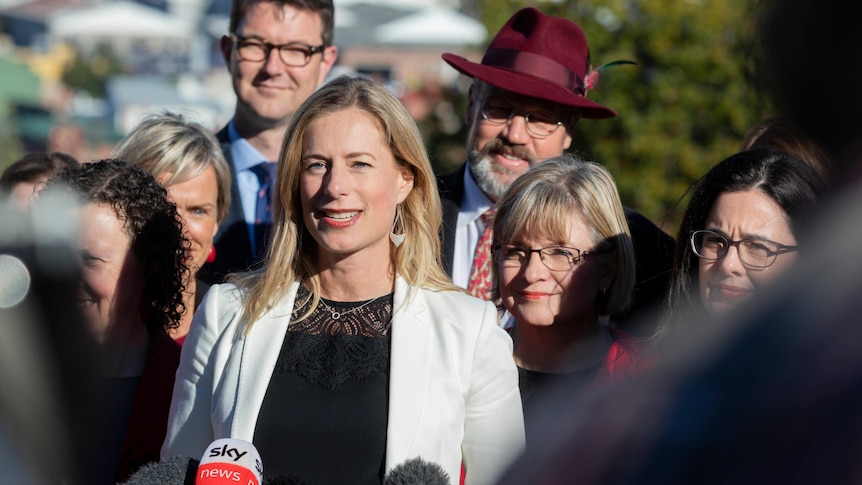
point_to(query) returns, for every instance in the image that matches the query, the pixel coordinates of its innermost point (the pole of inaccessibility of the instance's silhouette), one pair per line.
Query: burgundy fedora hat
(537, 55)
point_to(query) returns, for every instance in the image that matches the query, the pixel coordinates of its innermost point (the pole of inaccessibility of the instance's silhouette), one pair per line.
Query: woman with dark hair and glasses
(564, 263)
(740, 227)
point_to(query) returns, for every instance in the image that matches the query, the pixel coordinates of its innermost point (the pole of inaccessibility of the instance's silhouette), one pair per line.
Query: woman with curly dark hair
(131, 294)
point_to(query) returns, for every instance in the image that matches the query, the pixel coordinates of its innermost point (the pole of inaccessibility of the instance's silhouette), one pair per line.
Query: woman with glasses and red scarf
(738, 233)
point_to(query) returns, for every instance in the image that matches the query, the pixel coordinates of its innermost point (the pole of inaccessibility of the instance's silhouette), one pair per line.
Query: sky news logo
(225, 473)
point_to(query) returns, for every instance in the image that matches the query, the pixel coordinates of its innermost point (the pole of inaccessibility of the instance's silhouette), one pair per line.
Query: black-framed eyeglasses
(555, 258)
(294, 54)
(540, 124)
(753, 252)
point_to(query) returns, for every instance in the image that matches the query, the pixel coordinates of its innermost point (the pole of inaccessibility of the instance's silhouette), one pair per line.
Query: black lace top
(324, 416)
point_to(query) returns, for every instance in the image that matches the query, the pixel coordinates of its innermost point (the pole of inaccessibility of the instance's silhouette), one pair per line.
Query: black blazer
(232, 242)
(451, 188)
(653, 247)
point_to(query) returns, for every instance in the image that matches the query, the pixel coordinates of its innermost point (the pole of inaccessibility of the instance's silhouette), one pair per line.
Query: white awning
(437, 25)
(119, 19)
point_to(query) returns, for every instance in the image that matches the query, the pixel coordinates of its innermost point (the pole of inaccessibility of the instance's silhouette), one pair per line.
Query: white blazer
(453, 390)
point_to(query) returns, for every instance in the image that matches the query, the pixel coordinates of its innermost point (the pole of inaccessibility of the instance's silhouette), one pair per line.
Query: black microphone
(282, 480)
(416, 471)
(176, 470)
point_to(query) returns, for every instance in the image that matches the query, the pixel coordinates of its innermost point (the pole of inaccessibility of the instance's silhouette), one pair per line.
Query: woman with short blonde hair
(186, 159)
(564, 265)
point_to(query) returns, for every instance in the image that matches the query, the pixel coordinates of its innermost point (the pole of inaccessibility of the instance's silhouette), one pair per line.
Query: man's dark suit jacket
(653, 255)
(232, 242)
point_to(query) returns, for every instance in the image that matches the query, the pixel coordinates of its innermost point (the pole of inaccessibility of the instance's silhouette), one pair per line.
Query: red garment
(149, 419)
(627, 356)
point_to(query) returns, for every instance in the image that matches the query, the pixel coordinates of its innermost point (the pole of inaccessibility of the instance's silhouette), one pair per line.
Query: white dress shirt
(467, 233)
(468, 230)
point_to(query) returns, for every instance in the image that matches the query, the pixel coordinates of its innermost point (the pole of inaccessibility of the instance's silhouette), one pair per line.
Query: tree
(90, 73)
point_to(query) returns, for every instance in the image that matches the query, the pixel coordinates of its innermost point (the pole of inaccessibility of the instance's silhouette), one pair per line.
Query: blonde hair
(291, 250)
(540, 202)
(168, 145)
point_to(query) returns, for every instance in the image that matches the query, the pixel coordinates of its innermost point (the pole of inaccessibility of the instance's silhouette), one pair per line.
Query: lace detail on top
(330, 352)
(357, 318)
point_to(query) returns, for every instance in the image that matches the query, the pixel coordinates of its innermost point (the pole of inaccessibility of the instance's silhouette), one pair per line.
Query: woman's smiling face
(112, 277)
(536, 295)
(197, 205)
(350, 185)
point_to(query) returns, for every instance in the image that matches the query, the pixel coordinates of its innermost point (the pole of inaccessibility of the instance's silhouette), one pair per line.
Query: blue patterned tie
(265, 172)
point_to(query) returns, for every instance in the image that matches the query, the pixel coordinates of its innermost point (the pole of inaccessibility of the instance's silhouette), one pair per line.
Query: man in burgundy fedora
(528, 94)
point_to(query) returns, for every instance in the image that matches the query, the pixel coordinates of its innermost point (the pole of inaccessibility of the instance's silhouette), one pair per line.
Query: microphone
(176, 470)
(226, 461)
(416, 471)
(282, 480)
(230, 461)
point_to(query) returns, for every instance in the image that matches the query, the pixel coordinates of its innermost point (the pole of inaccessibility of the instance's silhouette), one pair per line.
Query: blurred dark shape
(176, 470)
(46, 358)
(810, 66)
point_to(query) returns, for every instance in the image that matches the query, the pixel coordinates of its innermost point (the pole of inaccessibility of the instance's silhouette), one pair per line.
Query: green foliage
(683, 108)
(90, 72)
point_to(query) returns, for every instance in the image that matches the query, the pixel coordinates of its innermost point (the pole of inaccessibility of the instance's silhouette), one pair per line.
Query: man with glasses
(277, 52)
(528, 93)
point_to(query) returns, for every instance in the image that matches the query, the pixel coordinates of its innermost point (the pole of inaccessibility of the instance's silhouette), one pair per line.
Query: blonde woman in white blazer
(350, 351)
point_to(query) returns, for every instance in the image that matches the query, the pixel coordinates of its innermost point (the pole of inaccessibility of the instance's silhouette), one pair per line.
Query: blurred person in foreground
(565, 263)
(350, 351)
(185, 158)
(20, 181)
(772, 392)
(131, 296)
(527, 96)
(47, 360)
(277, 52)
(741, 230)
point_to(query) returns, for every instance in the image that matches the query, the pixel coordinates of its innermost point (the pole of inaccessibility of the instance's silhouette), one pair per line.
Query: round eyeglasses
(540, 124)
(293, 54)
(555, 258)
(753, 252)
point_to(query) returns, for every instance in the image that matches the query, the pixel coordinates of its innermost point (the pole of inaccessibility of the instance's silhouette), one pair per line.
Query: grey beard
(486, 175)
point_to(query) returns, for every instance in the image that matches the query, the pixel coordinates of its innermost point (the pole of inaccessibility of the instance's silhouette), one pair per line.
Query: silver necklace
(335, 314)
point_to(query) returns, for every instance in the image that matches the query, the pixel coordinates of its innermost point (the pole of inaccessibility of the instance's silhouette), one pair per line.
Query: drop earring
(398, 239)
